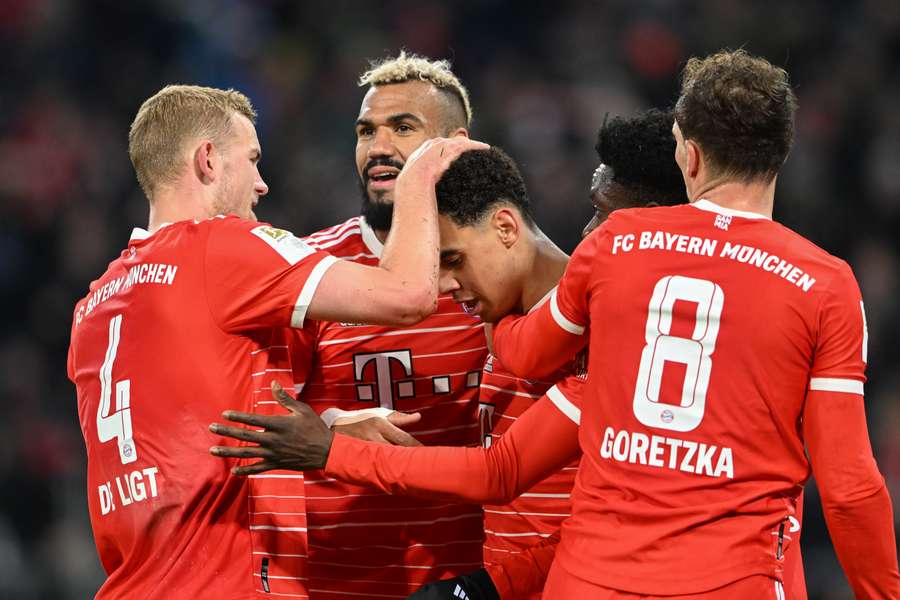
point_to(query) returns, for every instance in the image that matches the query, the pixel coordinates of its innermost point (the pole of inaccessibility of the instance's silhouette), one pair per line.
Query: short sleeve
(566, 396)
(259, 276)
(839, 363)
(569, 302)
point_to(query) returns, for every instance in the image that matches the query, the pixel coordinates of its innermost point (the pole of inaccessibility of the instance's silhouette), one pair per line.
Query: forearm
(862, 531)
(856, 502)
(540, 442)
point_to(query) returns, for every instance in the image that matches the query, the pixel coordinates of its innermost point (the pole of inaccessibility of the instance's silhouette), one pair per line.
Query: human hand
(299, 441)
(379, 429)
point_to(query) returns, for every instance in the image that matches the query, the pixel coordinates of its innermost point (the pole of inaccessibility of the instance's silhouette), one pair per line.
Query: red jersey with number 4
(363, 542)
(186, 323)
(708, 328)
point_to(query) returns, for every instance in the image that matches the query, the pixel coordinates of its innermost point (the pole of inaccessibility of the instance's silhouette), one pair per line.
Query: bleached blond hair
(174, 117)
(412, 67)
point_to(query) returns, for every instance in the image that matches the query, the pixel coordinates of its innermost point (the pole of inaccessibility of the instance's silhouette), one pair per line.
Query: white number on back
(694, 352)
(118, 424)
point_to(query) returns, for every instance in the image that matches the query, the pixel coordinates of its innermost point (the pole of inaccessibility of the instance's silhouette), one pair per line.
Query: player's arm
(403, 288)
(854, 496)
(539, 443)
(537, 344)
(257, 276)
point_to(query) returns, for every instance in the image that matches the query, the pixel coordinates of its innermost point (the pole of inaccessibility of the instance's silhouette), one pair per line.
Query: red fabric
(857, 505)
(514, 527)
(564, 586)
(368, 543)
(523, 574)
(182, 342)
(705, 331)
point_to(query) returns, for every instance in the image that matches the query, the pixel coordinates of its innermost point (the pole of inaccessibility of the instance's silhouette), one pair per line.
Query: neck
(755, 197)
(170, 206)
(547, 268)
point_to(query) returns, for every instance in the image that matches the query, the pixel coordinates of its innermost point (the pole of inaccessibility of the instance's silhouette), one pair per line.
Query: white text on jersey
(659, 451)
(131, 488)
(160, 273)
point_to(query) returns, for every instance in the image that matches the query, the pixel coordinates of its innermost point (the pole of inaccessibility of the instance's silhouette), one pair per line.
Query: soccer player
(200, 303)
(721, 344)
(358, 376)
(495, 260)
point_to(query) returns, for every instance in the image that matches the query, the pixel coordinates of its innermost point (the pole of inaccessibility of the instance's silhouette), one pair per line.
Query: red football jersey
(188, 322)
(364, 542)
(538, 513)
(708, 327)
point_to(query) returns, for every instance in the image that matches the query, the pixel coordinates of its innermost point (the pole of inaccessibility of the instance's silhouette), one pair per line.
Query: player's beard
(379, 213)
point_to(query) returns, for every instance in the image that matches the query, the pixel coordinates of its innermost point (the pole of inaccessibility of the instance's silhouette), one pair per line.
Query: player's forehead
(418, 98)
(243, 131)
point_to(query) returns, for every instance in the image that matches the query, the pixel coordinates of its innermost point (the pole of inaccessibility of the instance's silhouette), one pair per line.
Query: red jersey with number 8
(708, 326)
(186, 323)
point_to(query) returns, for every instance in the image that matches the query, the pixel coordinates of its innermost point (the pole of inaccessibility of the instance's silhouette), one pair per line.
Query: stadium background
(542, 76)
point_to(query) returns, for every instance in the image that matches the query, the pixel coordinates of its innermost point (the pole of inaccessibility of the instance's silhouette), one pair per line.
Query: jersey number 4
(695, 353)
(116, 424)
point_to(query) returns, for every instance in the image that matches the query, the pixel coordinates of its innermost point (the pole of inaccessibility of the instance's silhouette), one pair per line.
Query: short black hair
(477, 181)
(740, 109)
(641, 152)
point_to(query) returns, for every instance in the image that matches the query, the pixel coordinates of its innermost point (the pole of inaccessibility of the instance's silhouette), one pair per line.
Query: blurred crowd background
(542, 77)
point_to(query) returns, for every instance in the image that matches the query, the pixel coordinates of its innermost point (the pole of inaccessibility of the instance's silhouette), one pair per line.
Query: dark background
(542, 76)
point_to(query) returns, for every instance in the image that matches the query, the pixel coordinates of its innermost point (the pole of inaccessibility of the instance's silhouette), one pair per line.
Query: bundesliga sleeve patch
(285, 243)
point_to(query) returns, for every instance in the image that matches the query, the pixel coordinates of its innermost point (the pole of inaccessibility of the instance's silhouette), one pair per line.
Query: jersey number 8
(695, 353)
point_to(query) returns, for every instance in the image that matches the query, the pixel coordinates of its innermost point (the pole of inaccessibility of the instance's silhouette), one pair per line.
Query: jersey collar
(369, 238)
(139, 233)
(706, 205)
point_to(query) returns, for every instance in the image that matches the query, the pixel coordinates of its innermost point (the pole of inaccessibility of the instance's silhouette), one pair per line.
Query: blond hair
(174, 117)
(412, 67)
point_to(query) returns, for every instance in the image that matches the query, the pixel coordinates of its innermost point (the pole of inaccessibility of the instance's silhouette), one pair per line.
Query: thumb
(401, 419)
(284, 399)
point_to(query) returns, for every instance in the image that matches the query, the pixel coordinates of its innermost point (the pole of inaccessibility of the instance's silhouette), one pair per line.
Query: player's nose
(447, 284)
(382, 143)
(261, 187)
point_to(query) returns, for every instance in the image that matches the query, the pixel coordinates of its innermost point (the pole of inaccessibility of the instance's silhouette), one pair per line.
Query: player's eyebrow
(393, 119)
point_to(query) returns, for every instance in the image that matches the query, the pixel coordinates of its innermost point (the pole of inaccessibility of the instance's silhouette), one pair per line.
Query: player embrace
(192, 317)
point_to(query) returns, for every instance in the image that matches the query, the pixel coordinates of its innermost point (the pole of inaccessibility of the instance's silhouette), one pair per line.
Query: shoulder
(338, 239)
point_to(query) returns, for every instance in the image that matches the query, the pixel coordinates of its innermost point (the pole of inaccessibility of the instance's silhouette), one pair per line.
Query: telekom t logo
(405, 387)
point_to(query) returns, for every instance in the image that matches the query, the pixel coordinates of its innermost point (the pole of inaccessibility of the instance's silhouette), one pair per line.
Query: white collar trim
(709, 206)
(139, 233)
(370, 239)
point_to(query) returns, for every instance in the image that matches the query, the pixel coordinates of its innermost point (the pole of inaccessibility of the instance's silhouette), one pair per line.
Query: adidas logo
(460, 593)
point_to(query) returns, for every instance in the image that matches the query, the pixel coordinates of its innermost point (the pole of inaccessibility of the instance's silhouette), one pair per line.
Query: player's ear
(206, 162)
(694, 158)
(459, 132)
(507, 225)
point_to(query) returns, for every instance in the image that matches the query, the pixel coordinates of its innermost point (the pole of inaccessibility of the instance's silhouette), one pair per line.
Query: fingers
(257, 467)
(239, 433)
(400, 419)
(284, 399)
(240, 451)
(266, 422)
(396, 436)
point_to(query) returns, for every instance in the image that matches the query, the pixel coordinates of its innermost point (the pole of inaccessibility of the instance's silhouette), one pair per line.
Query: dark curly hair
(740, 110)
(641, 153)
(477, 181)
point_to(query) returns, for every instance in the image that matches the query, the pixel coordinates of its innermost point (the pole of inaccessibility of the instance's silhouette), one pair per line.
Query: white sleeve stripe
(309, 288)
(865, 342)
(830, 384)
(561, 319)
(564, 405)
